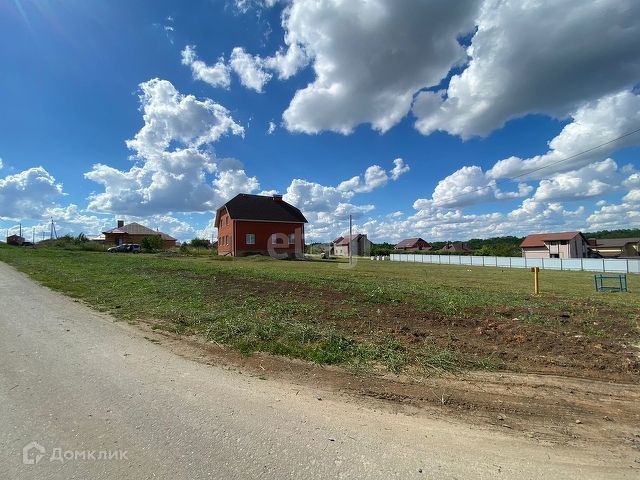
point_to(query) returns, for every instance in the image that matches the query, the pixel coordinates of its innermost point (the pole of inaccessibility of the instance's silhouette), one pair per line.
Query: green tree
(200, 243)
(151, 243)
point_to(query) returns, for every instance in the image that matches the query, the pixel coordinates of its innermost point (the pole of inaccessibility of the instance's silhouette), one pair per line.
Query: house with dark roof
(555, 245)
(413, 245)
(358, 243)
(615, 247)
(135, 233)
(456, 247)
(15, 240)
(259, 224)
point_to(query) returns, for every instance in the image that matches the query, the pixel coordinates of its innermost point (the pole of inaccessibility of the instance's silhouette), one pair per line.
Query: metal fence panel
(518, 262)
(634, 266)
(552, 263)
(574, 264)
(593, 264)
(533, 262)
(490, 261)
(615, 266)
(503, 262)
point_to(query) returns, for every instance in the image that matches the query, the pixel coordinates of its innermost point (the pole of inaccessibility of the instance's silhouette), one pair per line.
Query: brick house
(555, 245)
(259, 224)
(456, 247)
(359, 242)
(15, 240)
(135, 233)
(413, 245)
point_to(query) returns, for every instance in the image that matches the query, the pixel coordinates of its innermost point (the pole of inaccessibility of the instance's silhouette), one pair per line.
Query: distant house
(15, 240)
(135, 233)
(615, 247)
(96, 238)
(456, 247)
(413, 245)
(358, 243)
(259, 224)
(555, 245)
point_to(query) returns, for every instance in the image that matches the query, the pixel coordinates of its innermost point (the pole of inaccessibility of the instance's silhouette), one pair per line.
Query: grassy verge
(388, 316)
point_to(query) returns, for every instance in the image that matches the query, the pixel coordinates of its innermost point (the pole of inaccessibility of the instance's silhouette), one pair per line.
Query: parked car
(126, 248)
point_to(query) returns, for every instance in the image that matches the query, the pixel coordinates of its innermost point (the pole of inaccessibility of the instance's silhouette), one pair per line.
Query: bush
(200, 243)
(152, 243)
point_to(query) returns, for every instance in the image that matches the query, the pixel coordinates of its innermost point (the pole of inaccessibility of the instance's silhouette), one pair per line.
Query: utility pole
(33, 235)
(350, 238)
(20, 230)
(53, 231)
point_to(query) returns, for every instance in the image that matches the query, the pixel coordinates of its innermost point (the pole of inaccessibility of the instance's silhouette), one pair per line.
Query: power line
(562, 160)
(576, 155)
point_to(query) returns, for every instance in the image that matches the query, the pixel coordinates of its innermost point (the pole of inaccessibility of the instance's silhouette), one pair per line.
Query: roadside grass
(210, 296)
(447, 360)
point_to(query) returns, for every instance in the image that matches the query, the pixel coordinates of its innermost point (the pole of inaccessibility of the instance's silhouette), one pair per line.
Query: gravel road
(95, 399)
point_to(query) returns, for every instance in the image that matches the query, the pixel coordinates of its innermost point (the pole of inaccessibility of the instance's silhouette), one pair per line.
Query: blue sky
(419, 118)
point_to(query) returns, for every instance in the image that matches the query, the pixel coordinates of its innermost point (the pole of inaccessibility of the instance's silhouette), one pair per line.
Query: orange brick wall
(232, 237)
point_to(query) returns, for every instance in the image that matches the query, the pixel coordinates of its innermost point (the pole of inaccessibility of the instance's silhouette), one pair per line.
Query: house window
(274, 239)
(292, 238)
(251, 239)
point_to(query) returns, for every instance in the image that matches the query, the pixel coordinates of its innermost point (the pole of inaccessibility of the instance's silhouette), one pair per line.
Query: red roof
(345, 240)
(410, 242)
(538, 239)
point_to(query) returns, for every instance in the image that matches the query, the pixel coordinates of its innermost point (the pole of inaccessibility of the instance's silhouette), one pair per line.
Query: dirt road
(97, 399)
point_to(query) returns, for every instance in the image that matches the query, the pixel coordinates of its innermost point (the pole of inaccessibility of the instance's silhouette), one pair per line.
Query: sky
(438, 119)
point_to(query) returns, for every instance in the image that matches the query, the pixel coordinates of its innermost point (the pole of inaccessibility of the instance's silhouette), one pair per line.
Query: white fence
(572, 264)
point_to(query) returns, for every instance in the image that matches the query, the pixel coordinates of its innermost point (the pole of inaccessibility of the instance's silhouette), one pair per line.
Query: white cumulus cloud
(592, 124)
(536, 57)
(370, 58)
(217, 75)
(175, 170)
(27, 194)
(250, 69)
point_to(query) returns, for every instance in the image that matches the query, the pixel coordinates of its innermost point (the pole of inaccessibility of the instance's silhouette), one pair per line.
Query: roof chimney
(277, 197)
(120, 223)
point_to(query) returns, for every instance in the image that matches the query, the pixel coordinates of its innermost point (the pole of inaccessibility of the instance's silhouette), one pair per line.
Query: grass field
(377, 315)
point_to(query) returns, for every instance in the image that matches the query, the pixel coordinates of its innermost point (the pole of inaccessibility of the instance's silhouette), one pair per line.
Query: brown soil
(564, 344)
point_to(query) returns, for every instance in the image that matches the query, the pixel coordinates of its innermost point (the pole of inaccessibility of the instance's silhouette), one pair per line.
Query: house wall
(263, 243)
(225, 234)
(341, 250)
(535, 252)
(574, 248)
(361, 248)
(120, 238)
(563, 251)
(15, 240)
